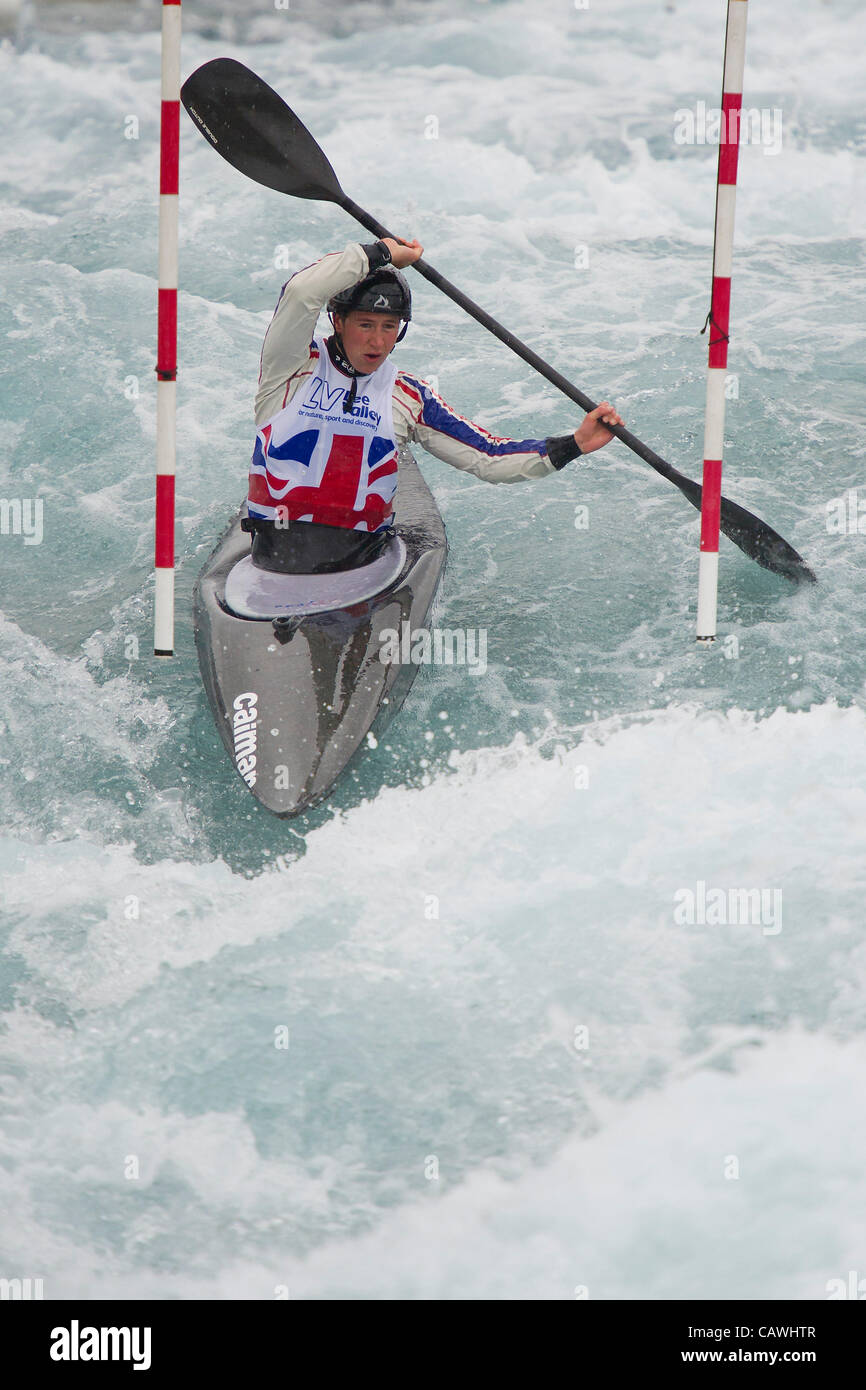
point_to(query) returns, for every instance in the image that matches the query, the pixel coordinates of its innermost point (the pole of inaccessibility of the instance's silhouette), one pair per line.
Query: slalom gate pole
(719, 317)
(166, 357)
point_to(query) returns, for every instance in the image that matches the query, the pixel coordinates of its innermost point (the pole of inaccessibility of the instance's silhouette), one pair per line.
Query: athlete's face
(367, 338)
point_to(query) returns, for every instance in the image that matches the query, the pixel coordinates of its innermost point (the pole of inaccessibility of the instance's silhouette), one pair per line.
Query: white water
(419, 1041)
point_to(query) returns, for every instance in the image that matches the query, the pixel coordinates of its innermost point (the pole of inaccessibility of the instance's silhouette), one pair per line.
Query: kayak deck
(251, 592)
(295, 696)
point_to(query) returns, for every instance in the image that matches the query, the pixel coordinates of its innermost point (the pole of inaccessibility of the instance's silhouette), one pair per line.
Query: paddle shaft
(276, 149)
(691, 489)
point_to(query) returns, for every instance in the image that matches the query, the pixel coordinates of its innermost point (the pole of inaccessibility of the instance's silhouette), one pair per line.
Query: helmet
(383, 291)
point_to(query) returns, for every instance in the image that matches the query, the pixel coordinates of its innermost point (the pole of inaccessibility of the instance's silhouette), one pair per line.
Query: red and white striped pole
(166, 355)
(719, 318)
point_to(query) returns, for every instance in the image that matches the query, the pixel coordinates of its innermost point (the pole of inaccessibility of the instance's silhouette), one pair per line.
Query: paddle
(253, 128)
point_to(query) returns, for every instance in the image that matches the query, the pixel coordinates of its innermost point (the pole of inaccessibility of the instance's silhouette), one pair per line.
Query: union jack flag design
(315, 463)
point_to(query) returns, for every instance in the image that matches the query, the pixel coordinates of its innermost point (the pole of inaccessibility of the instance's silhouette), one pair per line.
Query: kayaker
(332, 411)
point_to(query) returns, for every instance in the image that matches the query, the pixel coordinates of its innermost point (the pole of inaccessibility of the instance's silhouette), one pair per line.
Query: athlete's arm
(287, 341)
(421, 415)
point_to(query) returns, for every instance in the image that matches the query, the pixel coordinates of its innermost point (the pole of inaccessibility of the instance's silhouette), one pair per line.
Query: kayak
(296, 665)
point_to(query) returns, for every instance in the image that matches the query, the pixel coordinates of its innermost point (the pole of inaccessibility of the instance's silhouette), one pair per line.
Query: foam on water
(505, 867)
(435, 1018)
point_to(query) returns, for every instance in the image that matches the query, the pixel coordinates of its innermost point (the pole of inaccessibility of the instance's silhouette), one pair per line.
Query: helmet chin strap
(334, 345)
(349, 398)
(338, 353)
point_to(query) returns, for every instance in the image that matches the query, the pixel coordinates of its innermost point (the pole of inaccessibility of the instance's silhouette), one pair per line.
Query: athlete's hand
(403, 253)
(592, 435)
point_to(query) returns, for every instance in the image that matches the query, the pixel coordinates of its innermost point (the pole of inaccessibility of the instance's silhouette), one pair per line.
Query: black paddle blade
(754, 537)
(254, 129)
(763, 544)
